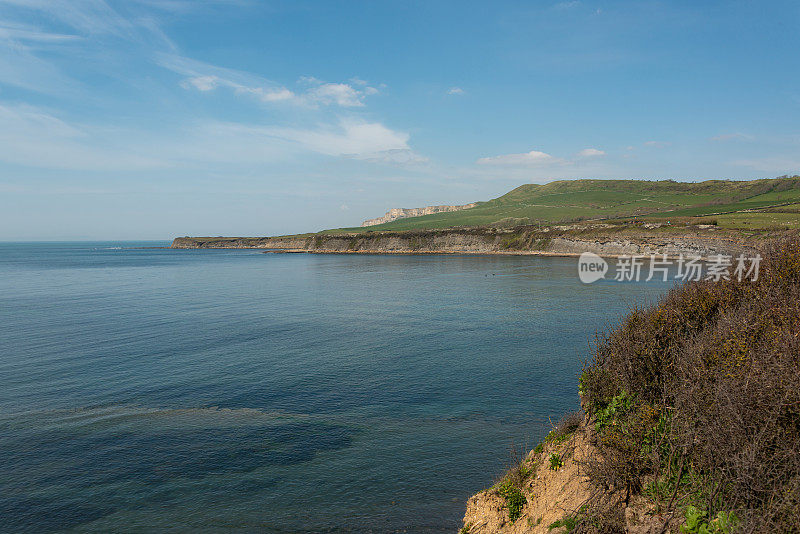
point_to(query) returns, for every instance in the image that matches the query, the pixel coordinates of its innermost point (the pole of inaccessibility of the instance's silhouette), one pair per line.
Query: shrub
(514, 498)
(697, 522)
(696, 401)
(555, 462)
(510, 485)
(569, 521)
(562, 431)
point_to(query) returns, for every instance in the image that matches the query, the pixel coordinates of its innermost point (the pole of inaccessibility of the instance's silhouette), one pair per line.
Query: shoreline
(519, 241)
(538, 253)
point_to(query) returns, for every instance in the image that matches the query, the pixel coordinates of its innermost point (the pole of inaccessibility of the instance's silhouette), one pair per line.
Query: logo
(591, 267)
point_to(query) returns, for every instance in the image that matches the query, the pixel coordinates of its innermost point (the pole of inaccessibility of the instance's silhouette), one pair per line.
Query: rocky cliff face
(488, 241)
(552, 495)
(403, 213)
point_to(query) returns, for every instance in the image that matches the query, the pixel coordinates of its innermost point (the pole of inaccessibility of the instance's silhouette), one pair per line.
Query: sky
(149, 119)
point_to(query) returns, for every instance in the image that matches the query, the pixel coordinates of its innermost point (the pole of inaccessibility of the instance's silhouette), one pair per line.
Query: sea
(146, 389)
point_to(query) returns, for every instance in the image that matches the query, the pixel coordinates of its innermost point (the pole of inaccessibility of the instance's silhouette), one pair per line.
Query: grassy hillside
(576, 200)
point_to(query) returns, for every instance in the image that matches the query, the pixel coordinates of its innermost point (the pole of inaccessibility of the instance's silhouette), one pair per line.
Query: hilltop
(608, 217)
(753, 204)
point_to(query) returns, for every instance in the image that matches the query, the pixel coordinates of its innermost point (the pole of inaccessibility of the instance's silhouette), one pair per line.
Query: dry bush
(697, 400)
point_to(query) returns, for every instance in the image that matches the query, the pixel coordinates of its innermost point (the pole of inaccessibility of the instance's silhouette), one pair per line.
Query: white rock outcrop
(404, 213)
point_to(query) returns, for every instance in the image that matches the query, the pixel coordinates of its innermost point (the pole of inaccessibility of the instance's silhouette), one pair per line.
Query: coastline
(538, 253)
(603, 240)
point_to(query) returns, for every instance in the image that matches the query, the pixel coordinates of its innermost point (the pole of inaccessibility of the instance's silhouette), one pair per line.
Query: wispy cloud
(455, 91)
(569, 4)
(23, 33)
(37, 37)
(396, 156)
(312, 91)
(590, 153)
(206, 77)
(534, 157)
(656, 144)
(348, 138)
(34, 137)
(543, 160)
(85, 16)
(341, 94)
(731, 137)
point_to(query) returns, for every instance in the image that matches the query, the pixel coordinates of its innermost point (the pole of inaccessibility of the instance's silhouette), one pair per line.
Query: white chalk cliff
(403, 213)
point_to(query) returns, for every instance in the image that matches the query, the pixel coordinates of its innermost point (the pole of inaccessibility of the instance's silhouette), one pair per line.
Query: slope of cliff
(570, 240)
(692, 420)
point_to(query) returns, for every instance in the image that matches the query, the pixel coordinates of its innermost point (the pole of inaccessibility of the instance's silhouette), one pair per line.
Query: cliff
(403, 213)
(604, 240)
(691, 425)
(553, 484)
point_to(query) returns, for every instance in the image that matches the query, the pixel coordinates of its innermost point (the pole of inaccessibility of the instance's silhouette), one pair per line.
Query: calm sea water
(217, 390)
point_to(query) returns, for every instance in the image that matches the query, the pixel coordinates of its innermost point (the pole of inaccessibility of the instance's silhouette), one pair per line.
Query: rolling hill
(753, 204)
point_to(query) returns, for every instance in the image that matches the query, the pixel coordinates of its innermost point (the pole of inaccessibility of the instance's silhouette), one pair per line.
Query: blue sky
(154, 119)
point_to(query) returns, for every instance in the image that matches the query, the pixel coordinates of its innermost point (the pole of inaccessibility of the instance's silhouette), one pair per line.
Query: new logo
(591, 267)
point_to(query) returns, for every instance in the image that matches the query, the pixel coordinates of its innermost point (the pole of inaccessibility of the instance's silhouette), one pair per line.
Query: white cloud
(361, 140)
(206, 77)
(455, 91)
(533, 157)
(34, 137)
(590, 152)
(656, 144)
(202, 83)
(341, 94)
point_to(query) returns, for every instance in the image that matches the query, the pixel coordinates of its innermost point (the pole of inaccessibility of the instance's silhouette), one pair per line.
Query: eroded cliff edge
(604, 240)
(689, 421)
(553, 484)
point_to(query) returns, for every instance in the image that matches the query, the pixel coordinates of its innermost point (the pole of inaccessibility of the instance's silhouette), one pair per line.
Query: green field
(582, 200)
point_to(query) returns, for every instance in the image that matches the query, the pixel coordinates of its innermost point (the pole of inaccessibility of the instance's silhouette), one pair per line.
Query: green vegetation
(515, 500)
(532, 523)
(667, 200)
(569, 521)
(696, 405)
(565, 428)
(610, 414)
(511, 483)
(697, 522)
(555, 461)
